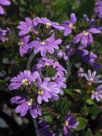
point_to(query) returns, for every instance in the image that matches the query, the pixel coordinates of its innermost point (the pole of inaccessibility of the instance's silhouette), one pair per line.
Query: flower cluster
(43, 90)
(42, 46)
(47, 80)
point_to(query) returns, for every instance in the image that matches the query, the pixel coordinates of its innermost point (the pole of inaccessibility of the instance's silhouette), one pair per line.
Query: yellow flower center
(25, 82)
(48, 25)
(71, 26)
(40, 92)
(66, 123)
(85, 33)
(90, 83)
(30, 102)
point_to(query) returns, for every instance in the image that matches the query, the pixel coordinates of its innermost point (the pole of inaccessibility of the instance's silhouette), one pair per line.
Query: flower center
(66, 123)
(49, 71)
(40, 92)
(96, 93)
(90, 83)
(25, 82)
(48, 25)
(93, 92)
(47, 64)
(21, 43)
(30, 102)
(30, 29)
(71, 25)
(85, 33)
(43, 42)
(91, 79)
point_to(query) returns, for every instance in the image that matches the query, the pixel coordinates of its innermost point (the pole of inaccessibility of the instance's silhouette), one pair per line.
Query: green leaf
(98, 134)
(82, 123)
(47, 118)
(62, 106)
(90, 101)
(87, 7)
(94, 110)
(68, 91)
(89, 132)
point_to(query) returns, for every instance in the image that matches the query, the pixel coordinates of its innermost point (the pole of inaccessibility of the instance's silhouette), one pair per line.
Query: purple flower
(91, 58)
(24, 45)
(91, 77)
(25, 105)
(61, 82)
(81, 72)
(86, 37)
(48, 90)
(97, 66)
(45, 129)
(69, 24)
(26, 27)
(97, 95)
(46, 46)
(67, 52)
(70, 123)
(47, 23)
(88, 57)
(4, 3)
(90, 21)
(3, 34)
(44, 63)
(62, 54)
(23, 79)
(98, 8)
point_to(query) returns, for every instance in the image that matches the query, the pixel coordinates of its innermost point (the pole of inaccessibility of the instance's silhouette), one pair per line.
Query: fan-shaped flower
(91, 77)
(48, 90)
(97, 94)
(26, 105)
(69, 24)
(46, 46)
(86, 37)
(70, 123)
(23, 79)
(44, 63)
